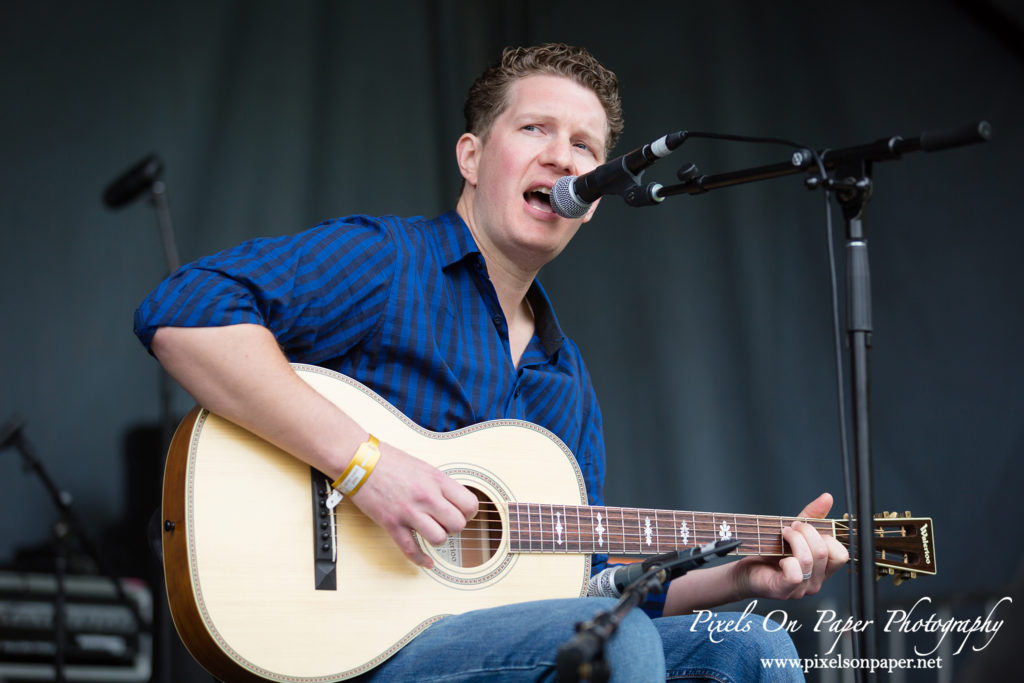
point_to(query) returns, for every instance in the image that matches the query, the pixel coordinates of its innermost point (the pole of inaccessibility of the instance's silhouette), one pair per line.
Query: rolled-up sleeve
(322, 289)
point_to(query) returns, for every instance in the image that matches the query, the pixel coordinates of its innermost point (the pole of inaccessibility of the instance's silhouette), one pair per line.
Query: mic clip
(677, 563)
(648, 195)
(583, 656)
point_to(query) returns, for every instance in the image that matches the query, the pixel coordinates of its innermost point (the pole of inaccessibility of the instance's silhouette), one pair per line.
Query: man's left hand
(814, 555)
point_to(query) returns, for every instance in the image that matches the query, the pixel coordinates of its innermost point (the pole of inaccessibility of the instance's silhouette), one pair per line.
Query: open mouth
(539, 198)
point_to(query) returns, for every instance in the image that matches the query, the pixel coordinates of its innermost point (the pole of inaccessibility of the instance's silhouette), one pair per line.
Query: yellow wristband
(359, 468)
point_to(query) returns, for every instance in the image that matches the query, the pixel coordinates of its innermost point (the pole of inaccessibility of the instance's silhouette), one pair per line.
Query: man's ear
(590, 212)
(467, 154)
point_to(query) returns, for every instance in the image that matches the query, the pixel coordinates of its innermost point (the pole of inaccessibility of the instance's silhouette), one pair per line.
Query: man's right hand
(405, 494)
(240, 373)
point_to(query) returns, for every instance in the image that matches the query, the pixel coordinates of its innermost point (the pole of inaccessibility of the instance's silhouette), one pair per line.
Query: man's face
(551, 127)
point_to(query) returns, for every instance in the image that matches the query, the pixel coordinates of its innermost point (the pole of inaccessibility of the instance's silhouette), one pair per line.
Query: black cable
(834, 288)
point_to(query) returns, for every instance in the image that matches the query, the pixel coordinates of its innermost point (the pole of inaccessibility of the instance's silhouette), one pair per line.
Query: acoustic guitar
(266, 583)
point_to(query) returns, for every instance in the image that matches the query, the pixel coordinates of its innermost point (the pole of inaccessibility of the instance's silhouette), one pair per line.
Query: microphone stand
(145, 176)
(850, 177)
(158, 198)
(582, 658)
(125, 189)
(67, 526)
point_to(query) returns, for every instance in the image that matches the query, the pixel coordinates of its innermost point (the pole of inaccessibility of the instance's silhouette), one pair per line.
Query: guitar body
(241, 543)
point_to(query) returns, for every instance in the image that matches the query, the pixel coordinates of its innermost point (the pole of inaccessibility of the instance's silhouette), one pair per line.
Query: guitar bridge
(325, 534)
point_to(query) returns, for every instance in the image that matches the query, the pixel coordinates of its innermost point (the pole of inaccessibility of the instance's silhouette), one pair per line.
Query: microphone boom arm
(883, 149)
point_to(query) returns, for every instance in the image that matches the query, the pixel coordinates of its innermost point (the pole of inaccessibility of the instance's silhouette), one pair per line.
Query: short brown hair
(488, 96)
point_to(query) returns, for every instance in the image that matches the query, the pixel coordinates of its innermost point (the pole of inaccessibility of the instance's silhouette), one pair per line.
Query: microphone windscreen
(564, 200)
(133, 182)
(602, 584)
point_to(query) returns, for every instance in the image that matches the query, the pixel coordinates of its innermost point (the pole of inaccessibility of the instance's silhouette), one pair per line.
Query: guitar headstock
(904, 546)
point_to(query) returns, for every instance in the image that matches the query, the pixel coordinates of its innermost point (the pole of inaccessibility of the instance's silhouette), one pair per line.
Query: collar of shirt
(455, 244)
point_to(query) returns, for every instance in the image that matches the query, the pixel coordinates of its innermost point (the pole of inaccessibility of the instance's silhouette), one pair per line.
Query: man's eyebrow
(592, 137)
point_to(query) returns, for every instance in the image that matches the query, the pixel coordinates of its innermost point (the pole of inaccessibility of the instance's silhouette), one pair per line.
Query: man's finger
(406, 542)
(818, 508)
(461, 497)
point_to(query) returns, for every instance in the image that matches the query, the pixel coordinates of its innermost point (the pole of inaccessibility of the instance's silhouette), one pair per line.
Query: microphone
(133, 182)
(11, 432)
(610, 582)
(572, 196)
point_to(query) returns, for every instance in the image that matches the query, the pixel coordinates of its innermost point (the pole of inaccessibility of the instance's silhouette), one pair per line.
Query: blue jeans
(520, 643)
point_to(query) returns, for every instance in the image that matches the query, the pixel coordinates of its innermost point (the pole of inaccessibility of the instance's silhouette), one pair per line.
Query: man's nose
(558, 154)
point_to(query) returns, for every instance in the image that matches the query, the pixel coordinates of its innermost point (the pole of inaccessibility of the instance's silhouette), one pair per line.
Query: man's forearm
(702, 589)
(239, 372)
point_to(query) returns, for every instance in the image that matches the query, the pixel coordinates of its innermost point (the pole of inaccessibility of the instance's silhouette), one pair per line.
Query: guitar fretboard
(545, 528)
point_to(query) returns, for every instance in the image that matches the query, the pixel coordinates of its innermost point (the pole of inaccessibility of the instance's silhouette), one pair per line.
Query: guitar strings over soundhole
(479, 541)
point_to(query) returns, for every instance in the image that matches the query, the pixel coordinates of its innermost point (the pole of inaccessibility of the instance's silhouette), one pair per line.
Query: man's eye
(584, 147)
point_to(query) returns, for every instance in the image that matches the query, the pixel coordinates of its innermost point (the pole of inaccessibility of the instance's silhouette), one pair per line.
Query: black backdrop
(706, 321)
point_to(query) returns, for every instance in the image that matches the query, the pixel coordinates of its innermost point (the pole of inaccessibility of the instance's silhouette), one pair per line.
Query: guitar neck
(545, 528)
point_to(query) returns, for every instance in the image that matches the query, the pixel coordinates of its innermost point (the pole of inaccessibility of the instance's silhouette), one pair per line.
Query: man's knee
(770, 639)
(634, 652)
(730, 646)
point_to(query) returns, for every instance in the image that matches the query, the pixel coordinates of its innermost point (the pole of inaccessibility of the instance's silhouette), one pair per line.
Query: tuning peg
(906, 513)
(897, 580)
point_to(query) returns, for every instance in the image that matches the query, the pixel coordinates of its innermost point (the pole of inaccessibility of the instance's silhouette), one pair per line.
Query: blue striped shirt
(405, 306)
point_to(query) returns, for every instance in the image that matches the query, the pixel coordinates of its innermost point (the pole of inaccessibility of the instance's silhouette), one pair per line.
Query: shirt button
(517, 392)
(497, 320)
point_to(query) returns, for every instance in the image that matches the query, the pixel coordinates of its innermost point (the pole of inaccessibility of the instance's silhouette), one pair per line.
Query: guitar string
(662, 515)
(487, 542)
(613, 540)
(883, 523)
(629, 531)
(739, 522)
(613, 545)
(571, 547)
(587, 536)
(552, 508)
(745, 528)
(489, 537)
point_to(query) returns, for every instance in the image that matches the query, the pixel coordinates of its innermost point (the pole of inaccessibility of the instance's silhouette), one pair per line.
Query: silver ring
(808, 575)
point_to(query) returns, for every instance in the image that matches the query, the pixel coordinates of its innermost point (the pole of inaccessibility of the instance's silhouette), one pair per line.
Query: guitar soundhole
(479, 541)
